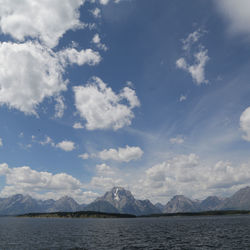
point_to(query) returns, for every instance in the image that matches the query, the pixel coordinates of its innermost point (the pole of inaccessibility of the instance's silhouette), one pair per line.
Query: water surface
(204, 232)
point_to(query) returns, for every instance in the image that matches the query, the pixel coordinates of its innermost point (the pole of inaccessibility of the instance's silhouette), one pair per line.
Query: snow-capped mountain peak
(116, 195)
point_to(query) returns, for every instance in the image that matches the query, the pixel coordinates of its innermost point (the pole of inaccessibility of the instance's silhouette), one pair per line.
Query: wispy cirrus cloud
(177, 140)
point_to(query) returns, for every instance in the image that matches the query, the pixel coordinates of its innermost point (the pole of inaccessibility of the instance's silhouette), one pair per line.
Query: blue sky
(149, 95)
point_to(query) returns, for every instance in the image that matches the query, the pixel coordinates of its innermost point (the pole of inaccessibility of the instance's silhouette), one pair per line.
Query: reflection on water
(224, 232)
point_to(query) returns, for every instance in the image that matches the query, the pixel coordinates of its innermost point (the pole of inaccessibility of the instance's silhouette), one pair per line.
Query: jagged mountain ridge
(19, 204)
(238, 201)
(119, 200)
(65, 204)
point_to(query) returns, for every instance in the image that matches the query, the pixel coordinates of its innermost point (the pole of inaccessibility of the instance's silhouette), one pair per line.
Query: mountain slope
(64, 204)
(146, 207)
(160, 206)
(210, 203)
(18, 204)
(180, 203)
(101, 206)
(240, 200)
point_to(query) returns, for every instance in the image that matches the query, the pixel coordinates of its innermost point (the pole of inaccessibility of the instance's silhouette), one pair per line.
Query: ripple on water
(224, 232)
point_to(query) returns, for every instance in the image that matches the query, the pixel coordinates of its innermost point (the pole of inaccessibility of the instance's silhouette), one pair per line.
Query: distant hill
(120, 200)
(79, 214)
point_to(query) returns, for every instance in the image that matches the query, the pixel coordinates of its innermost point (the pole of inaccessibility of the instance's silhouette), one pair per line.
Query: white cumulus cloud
(59, 107)
(46, 20)
(237, 15)
(102, 108)
(245, 124)
(66, 145)
(77, 125)
(46, 141)
(197, 69)
(195, 66)
(31, 72)
(84, 156)
(97, 41)
(182, 98)
(104, 2)
(105, 183)
(27, 177)
(1, 142)
(96, 12)
(71, 55)
(121, 154)
(42, 185)
(191, 39)
(188, 175)
(104, 170)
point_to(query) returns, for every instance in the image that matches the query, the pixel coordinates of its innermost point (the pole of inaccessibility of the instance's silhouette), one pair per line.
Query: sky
(151, 95)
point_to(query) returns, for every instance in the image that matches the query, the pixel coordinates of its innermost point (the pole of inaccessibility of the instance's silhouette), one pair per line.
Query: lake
(203, 232)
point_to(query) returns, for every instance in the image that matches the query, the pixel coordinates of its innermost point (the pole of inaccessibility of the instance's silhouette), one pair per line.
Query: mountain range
(120, 200)
(238, 201)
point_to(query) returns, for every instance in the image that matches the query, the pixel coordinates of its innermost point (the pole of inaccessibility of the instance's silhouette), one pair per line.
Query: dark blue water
(214, 232)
